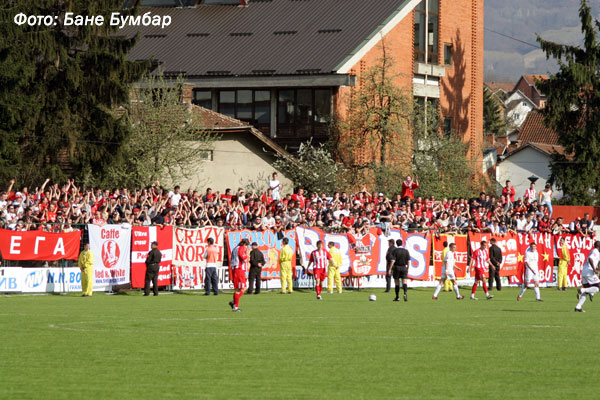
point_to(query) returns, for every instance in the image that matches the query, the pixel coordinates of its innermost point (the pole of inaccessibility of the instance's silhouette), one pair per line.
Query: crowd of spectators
(54, 207)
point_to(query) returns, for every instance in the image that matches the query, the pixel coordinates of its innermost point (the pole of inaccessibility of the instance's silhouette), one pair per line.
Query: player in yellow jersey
(563, 264)
(333, 272)
(86, 265)
(448, 286)
(285, 266)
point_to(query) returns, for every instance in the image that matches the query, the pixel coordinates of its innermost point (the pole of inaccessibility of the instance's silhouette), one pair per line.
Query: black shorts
(400, 272)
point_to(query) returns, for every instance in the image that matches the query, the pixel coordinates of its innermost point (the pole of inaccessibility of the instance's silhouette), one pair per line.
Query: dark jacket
(154, 257)
(401, 257)
(495, 256)
(256, 257)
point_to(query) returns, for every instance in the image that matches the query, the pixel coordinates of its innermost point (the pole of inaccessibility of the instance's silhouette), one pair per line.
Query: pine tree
(493, 121)
(58, 87)
(573, 111)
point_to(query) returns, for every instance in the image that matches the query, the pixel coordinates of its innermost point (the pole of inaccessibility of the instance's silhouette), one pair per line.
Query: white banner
(111, 246)
(40, 280)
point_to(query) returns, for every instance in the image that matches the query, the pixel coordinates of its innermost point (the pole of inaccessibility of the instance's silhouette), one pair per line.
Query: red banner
(460, 254)
(510, 250)
(579, 247)
(269, 244)
(141, 239)
(545, 249)
(39, 246)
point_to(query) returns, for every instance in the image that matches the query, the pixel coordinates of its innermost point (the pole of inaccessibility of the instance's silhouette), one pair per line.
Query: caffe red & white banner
(38, 245)
(111, 246)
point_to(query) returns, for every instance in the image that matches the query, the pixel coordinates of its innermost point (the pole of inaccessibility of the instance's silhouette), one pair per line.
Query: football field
(292, 346)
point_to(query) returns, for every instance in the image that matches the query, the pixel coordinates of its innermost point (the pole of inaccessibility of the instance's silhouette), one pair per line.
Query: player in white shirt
(589, 276)
(448, 273)
(532, 259)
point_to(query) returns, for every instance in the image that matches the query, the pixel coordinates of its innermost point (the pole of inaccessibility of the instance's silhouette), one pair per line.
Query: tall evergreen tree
(58, 86)
(573, 111)
(493, 121)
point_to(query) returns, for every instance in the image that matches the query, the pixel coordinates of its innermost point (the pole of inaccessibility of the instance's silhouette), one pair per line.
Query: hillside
(556, 20)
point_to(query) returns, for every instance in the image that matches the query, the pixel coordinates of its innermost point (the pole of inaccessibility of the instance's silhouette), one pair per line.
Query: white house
(518, 106)
(532, 159)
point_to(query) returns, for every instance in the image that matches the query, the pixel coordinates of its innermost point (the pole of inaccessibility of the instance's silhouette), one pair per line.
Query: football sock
(485, 289)
(236, 299)
(537, 292)
(318, 290)
(523, 289)
(404, 287)
(474, 288)
(581, 301)
(437, 290)
(456, 291)
(397, 289)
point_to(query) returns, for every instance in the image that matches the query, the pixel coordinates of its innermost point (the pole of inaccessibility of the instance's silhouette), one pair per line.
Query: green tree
(493, 117)
(168, 141)
(58, 85)
(573, 111)
(314, 168)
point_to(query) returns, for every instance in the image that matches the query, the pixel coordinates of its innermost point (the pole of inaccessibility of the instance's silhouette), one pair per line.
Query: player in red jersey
(481, 261)
(319, 260)
(239, 269)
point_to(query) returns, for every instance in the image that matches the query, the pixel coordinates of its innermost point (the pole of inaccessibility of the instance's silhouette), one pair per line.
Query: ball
(372, 298)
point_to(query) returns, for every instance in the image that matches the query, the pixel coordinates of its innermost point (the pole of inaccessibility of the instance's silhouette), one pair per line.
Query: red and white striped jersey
(320, 259)
(481, 258)
(530, 194)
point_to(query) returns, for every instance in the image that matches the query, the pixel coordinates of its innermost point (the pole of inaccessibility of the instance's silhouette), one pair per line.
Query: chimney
(243, 3)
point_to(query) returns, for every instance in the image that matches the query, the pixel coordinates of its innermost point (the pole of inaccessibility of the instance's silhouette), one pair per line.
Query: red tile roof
(507, 87)
(203, 118)
(531, 79)
(533, 130)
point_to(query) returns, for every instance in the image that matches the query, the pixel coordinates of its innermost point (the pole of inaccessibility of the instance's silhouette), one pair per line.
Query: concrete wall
(522, 165)
(238, 161)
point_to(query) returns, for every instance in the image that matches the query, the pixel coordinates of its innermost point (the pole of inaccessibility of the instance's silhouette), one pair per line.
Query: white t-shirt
(449, 263)
(594, 257)
(274, 184)
(175, 198)
(532, 259)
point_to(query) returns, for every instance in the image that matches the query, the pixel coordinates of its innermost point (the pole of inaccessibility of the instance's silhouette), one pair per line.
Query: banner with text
(268, 244)
(579, 247)
(508, 245)
(365, 255)
(545, 249)
(111, 246)
(460, 254)
(38, 245)
(142, 238)
(189, 245)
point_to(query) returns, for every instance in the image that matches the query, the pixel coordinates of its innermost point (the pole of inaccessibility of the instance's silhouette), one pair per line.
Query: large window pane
(420, 36)
(244, 105)
(202, 98)
(433, 38)
(286, 107)
(434, 6)
(322, 106)
(304, 112)
(262, 107)
(227, 102)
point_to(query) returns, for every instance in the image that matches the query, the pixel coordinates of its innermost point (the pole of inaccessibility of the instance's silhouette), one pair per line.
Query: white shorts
(590, 279)
(532, 276)
(448, 275)
(211, 265)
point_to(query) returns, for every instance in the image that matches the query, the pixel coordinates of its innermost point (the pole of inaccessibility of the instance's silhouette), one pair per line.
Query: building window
(448, 54)
(303, 113)
(206, 155)
(202, 98)
(227, 102)
(252, 106)
(516, 117)
(427, 38)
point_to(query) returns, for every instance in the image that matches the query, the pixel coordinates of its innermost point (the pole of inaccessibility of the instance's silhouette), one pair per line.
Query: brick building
(285, 66)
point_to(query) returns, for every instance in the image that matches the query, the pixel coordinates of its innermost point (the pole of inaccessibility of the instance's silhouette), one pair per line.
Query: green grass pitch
(184, 346)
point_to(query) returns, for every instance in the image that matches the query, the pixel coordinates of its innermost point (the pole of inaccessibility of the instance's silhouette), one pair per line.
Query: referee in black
(388, 257)
(152, 267)
(398, 267)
